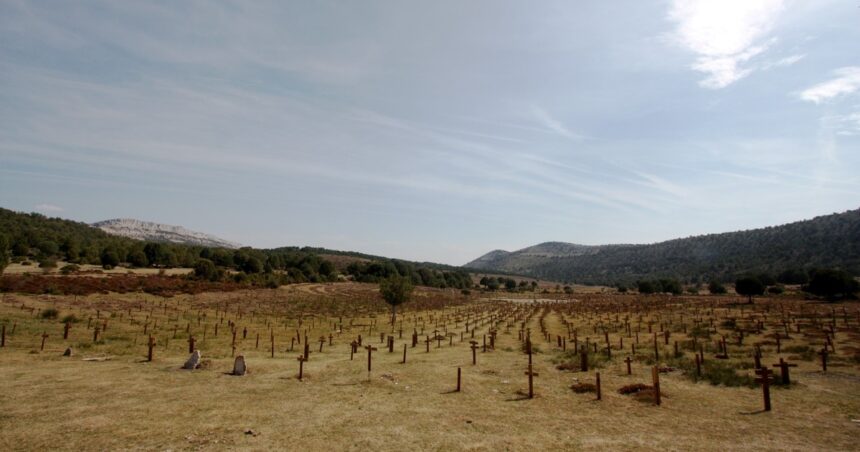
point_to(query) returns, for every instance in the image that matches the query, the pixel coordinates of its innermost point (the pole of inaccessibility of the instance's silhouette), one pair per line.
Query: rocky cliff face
(155, 232)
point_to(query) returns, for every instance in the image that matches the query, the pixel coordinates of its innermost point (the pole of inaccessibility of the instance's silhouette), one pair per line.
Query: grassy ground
(51, 402)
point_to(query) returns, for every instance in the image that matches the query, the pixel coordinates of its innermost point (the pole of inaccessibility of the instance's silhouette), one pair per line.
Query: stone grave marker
(239, 367)
(193, 361)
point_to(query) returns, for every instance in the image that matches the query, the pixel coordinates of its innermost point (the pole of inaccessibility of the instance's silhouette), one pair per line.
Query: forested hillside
(43, 241)
(826, 241)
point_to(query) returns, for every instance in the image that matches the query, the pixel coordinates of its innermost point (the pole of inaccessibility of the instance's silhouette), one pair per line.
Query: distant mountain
(155, 232)
(826, 241)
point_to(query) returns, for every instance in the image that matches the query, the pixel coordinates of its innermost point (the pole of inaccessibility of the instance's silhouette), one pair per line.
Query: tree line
(831, 241)
(35, 238)
(419, 275)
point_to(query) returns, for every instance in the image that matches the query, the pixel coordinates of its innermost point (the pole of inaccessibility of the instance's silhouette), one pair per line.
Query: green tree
(716, 288)
(646, 287)
(252, 265)
(832, 284)
(4, 253)
(137, 258)
(49, 248)
(109, 258)
(749, 286)
(326, 268)
(206, 269)
(71, 249)
(672, 286)
(793, 276)
(395, 290)
(47, 264)
(20, 248)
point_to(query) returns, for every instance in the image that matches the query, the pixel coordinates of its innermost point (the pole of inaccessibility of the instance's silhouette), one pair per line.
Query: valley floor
(68, 403)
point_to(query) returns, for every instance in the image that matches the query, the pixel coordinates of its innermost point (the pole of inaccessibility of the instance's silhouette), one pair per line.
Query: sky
(432, 131)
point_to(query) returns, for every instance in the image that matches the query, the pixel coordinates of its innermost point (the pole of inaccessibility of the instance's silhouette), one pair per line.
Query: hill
(155, 232)
(34, 237)
(826, 241)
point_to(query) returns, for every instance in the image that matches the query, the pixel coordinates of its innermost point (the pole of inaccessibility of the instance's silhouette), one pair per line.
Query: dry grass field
(107, 396)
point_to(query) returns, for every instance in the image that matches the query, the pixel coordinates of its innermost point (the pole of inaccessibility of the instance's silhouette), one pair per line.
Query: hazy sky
(432, 130)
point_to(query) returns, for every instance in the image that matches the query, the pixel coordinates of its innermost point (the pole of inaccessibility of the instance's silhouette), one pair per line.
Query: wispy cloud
(553, 124)
(782, 62)
(846, 80)
(849, 125)
(51, 208)
(724, 35)
(661, 184)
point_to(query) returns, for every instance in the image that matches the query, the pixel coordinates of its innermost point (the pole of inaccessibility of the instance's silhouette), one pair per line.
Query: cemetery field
(124, 387)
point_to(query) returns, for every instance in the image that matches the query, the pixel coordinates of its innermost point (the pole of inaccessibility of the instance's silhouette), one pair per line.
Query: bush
(749, 286)
(50, 313)
(69, 269)
(109, 258)
(832, 284)
(793, 276)
(716, 288)
(71, 318)
(206, 270)
(582, 388)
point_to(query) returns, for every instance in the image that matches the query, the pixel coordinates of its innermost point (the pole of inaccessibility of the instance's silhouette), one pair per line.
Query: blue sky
(436, 130)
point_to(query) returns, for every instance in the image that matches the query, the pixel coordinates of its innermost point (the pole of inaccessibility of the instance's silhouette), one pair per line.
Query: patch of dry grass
(51, 402)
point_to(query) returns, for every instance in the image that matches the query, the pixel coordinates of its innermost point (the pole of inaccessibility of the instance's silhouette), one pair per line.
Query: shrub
(70, 319)
(634, 388)
(581, 388)
(832, 284)
(749, 286)
(50, 313)
(716, 288)
(69, 269)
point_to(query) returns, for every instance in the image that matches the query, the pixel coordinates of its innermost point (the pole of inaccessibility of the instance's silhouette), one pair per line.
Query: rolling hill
(826, 241)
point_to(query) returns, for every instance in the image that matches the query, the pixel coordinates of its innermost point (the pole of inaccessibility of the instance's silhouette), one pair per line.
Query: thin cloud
(51, 208)
(846, 81)
(724, 35)
(849, 125)
(553, 124)
(783, 62)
